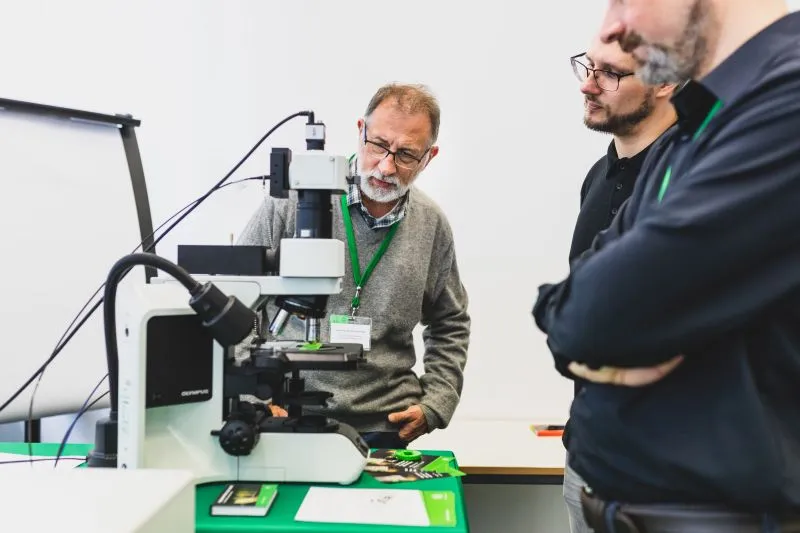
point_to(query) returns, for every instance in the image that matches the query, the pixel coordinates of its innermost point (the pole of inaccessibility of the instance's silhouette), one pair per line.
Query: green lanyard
(668, 174)
(358, 278)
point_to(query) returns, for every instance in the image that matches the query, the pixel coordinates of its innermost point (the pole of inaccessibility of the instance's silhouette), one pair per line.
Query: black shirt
(704, 261)
(606, 187)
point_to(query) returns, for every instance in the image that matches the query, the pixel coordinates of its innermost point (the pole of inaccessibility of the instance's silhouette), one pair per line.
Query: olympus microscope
(190, 393)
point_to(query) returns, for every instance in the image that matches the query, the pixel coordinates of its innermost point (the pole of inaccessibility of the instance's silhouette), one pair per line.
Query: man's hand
(277, 410)
(413, 422)
(626, 377)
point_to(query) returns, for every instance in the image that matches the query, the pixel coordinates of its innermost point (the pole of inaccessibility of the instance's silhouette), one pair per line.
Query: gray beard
(663, 66)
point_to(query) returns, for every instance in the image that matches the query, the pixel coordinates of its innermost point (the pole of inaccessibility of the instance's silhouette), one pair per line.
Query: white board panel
(67, 213)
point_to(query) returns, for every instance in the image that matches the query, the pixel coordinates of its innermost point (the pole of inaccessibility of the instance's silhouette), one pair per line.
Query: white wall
(208, 78)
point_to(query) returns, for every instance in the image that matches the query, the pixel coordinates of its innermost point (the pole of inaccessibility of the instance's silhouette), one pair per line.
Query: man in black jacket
(683, 317)
(635, 114)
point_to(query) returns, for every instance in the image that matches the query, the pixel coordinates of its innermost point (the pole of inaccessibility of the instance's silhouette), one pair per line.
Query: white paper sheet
(18, 462)
(363, 506)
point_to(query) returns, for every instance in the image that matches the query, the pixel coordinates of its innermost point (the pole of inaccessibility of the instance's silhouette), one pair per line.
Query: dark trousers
(384, 439)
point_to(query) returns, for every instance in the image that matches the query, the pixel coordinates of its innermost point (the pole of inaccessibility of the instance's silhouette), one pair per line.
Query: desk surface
(290, 496)
(498, 447)
(97, 500)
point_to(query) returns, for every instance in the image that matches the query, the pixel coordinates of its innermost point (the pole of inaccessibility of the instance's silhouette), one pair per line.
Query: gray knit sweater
(415, 282)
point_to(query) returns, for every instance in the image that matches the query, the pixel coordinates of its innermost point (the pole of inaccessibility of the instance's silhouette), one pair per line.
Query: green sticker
(441, 507)
(443, 465)
(311, 346)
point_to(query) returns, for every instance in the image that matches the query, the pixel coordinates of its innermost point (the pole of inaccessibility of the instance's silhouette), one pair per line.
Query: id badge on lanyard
(353, 328)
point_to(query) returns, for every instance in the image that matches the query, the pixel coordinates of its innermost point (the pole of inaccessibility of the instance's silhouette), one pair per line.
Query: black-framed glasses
(402, 158)
(606, 80)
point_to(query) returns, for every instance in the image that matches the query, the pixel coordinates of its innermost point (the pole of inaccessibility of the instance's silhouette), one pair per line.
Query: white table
(97, 500)
(499, 448)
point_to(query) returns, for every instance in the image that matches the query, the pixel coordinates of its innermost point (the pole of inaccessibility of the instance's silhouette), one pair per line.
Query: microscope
(194, 376)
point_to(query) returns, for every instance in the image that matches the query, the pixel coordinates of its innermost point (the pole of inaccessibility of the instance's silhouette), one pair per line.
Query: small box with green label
(245, 499)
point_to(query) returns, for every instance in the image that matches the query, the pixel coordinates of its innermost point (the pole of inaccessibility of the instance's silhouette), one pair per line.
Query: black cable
(194, 205)
(115, 275)
(228, 319)
(37, 460)
(85, 407)
(187, 206)
(75, 420)
(30, 458)
(235, 168)
(50, 359)
(62, 342)
(30, 414)
(66, 338)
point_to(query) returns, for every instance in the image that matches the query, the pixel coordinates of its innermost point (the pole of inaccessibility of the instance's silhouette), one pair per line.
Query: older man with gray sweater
(406, 275)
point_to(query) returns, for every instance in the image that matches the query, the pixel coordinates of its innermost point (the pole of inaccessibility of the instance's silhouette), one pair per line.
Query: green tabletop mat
(290, 496)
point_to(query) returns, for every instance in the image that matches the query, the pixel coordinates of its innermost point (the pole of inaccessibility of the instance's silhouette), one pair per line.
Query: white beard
(664, 67)
(382, 195)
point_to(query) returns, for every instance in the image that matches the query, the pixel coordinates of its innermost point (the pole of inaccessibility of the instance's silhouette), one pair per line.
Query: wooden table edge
(512, 470)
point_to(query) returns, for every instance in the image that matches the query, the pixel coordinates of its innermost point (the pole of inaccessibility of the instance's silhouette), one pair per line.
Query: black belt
(604, 517)
(611, 517)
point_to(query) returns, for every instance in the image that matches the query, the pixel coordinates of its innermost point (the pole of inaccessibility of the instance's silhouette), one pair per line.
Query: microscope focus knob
(237, 437)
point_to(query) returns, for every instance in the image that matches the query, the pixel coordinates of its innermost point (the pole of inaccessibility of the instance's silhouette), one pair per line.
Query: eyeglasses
(606, 80)
(402, 158)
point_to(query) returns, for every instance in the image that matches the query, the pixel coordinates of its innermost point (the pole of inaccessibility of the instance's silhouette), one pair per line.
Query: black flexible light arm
(229, 320)
(115, 275)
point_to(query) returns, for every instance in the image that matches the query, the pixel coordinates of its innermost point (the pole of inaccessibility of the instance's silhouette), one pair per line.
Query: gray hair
(411, 99)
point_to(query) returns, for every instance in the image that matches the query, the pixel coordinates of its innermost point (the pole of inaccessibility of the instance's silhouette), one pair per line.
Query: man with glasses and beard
(635, 114)
(400, 271)
(683, 317)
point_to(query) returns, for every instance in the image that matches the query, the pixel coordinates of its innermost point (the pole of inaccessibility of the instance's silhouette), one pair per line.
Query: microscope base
(333, 457)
